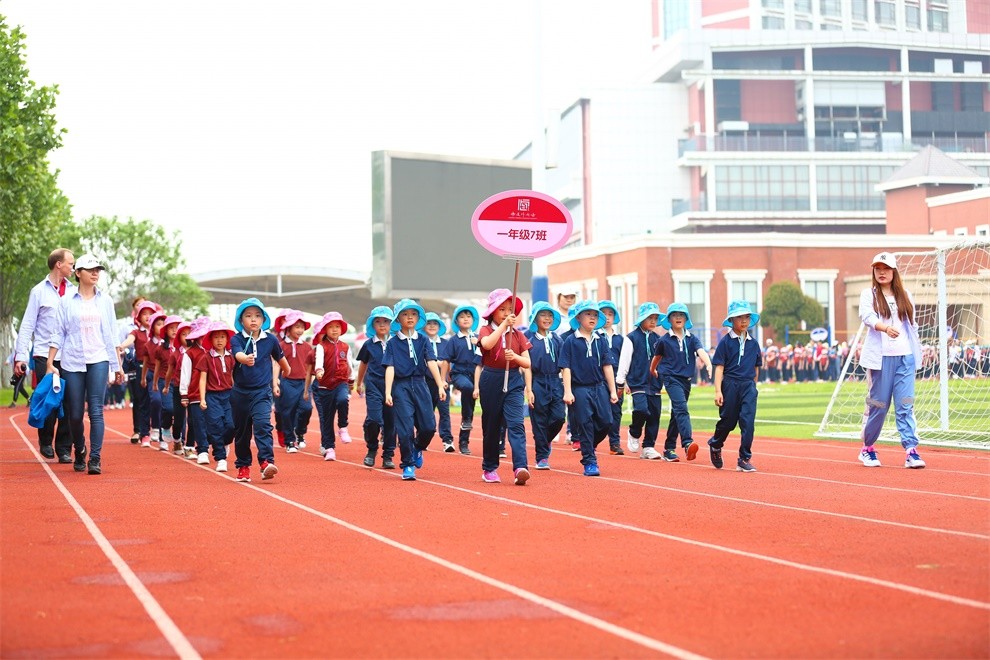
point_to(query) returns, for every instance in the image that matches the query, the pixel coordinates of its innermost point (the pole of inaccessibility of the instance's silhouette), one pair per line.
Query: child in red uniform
(177, 352)
(139, 393)
(189, 392)
(294, 394)
(216, 370)
(167, 335)
(148, 370)
(332, 362)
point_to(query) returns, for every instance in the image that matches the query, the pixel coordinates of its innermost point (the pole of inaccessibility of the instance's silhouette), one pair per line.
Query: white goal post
(951, 291)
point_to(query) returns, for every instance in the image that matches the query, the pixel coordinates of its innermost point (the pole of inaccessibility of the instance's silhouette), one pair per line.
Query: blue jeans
(893, 380)
(498, 407)
(252, 412)
(86, 389)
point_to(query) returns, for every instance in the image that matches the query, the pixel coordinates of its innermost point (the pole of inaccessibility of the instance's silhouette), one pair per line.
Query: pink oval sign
(521, 223)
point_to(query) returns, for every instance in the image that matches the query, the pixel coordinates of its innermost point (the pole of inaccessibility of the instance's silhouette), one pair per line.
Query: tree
(141, 259)
(786, 306)
(32, 208)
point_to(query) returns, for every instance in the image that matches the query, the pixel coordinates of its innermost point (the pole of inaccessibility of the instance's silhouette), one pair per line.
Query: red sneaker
(268, 470)
(244, 474)
(281, 438)
(575, 446)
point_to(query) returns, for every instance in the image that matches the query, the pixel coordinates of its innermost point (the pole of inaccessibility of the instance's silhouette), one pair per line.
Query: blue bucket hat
(740, 308)
(677, 307)
(647, 310)
(543, 307)
(380, 312)
(251, 302)
(470, 310)
(616, 318)
(432, 316)
(401, 306)
(584, 306)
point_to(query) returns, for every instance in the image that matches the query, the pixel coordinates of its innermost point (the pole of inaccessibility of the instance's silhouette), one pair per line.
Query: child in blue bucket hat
(544, 389)
(435, 330)
(408, 359)
(464, 355)
(371, 382)
(675, 359)
(737, 363)
(610, 311)
(254, 350)
(643, 386)
(589, 382)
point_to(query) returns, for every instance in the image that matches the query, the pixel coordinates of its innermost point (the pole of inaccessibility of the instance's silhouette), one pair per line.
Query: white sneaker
(323, 451)
(291, 450)
(167, 435)
(203, 459)
(190, 453)
(650, 454)
(345, 437)
(869, 457)
(632, 444)
(301, 444)
(330, 454)
(222, 465)
(146, 442)
(912, 460)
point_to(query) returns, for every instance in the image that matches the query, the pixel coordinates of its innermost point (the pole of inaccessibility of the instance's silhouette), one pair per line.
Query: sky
(249, 126)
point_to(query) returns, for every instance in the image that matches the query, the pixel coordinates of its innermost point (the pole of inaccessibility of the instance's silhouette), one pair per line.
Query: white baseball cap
(569, 290)
(887, 259)
(88, 262)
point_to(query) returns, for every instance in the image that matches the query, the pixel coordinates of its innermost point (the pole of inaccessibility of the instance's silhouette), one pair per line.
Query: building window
(694, 295)
(912, 16)
(762, 188)
(826, 26)
(851, 187)
(830, 7)
(633, 301)
(746, 285)
(885, 12)
(800, 24)
(983, 230)
(859, 12)
(676, 17)
(618, 296)
(802, 6)
(773, 23)
(938, 19)
(773, 4)
(822, 292)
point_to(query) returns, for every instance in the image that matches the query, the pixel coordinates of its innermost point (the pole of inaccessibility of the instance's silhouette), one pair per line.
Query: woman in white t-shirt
(86, 332)
(891, 355)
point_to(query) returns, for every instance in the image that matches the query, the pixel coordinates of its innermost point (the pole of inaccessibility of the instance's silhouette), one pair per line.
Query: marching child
(176, 353)
(190, 395)
(371, 381)
(737, 369)
(254, 383)
(407, 360)
(589, 382)
(544, 389)
(464, 356)
(435, 329)
(332, 367)
(294, 393)
(166, 334)
(615, 343)
(644, 386)
(149, 370)
(139, 394)
(216, 372)
(675, 359)
(504, 352)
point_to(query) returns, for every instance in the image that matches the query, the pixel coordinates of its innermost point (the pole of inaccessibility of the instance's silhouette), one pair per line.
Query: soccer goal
(951, 291)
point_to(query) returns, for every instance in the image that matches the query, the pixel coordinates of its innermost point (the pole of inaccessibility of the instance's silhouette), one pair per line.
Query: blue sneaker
(591, 470)
(409, 473)
(543, 464)
(418, 459)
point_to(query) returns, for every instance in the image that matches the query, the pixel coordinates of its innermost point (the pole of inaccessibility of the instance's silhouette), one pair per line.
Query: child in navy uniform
(254, 383)
(216, 367)
(464, 356)
(643, 386)
(371, 381)
(675, 359)
(589, 382)
(503, 348)
(615, 342)
(737, 368)
(407, 360)
(545, 390)
(435, 329)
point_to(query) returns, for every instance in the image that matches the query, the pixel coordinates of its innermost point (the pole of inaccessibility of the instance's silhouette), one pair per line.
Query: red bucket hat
(169, 320)
(495, 300)
(327, 319)
(215, 326)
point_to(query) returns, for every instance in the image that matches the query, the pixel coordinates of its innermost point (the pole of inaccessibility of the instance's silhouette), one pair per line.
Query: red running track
(812, 556)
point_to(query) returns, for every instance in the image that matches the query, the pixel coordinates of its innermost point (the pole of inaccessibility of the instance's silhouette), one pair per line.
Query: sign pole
(512, 330)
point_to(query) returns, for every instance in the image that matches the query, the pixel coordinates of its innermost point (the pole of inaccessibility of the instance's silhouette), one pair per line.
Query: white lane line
(854, 460)
(896, 489)
(916, 591)
(179, 643)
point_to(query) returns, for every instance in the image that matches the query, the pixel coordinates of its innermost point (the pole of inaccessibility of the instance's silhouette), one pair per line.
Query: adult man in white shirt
(36, 326)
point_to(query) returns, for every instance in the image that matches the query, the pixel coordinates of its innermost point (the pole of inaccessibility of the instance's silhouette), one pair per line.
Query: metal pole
(943, 343)
(511, 331)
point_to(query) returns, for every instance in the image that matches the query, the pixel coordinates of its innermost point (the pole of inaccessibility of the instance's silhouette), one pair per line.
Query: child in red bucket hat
(503, 348)
(332, 368)
(293, 402)
(177, 350)
(216, 370)
(190, 394)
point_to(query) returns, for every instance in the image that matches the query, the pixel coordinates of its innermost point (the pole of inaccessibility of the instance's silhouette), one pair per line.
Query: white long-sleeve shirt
(874, 345)
(38, 322)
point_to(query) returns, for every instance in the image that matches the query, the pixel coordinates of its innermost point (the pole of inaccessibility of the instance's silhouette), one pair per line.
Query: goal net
(951, 291)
